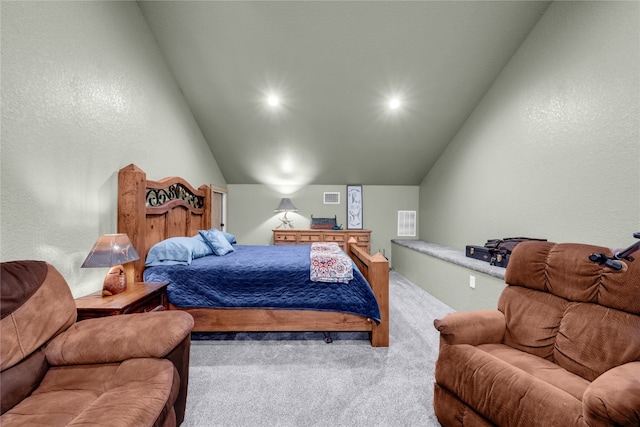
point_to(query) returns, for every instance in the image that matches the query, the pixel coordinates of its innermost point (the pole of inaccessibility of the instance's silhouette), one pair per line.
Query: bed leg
(327, 337)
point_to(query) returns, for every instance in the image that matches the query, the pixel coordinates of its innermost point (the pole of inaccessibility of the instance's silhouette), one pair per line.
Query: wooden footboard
(376, 270)
(151, 211)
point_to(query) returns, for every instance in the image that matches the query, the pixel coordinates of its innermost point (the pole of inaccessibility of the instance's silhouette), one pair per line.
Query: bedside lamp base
(286, 222)
(115, 281)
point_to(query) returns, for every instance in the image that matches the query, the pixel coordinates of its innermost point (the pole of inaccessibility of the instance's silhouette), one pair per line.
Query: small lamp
(285, 206)
(112, 250)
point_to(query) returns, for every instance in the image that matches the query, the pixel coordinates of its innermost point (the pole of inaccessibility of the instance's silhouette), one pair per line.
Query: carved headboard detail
(151, 211)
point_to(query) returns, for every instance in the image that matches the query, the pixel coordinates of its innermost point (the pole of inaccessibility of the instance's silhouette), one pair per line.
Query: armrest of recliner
(614, 397)
(472, 327)
(117, 338)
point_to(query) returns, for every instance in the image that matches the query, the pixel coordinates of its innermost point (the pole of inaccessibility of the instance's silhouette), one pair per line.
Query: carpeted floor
(288, 379)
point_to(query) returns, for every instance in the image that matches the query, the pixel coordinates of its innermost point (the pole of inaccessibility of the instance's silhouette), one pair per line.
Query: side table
(139, 297)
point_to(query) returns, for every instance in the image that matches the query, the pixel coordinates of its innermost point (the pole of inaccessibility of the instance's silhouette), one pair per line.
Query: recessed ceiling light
(273, 100)
(394, 103)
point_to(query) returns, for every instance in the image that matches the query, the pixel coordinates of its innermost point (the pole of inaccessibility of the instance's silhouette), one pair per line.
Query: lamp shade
(110, 250)
(285, 205)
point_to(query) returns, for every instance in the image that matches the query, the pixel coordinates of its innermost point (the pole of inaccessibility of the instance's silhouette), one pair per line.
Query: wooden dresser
(306, 237)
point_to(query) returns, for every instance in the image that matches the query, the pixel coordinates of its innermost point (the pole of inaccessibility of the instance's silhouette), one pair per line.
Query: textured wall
(553, 149)
(85, 91)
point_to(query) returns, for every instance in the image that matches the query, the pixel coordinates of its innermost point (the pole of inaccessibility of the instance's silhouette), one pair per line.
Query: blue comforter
(275, 277)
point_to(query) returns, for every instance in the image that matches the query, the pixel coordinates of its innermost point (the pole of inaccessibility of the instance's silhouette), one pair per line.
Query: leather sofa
(562, 348)
(129, 370)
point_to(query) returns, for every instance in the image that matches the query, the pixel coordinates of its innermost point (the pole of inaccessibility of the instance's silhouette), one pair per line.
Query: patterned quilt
(330, 264)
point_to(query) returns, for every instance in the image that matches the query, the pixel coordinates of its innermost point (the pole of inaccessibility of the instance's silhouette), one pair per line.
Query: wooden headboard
(151, 211)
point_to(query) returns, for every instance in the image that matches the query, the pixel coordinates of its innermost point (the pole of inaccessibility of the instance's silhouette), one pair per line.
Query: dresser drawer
(361, 238)
(285, 238)
(308, 238)
(154, 303)
(334, 237)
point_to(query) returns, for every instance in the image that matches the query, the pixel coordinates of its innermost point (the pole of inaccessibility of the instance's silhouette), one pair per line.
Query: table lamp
(285, 206)
(112, 250)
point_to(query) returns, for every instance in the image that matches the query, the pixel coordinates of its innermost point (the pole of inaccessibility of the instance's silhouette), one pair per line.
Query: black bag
(478, 252)
(500, 249)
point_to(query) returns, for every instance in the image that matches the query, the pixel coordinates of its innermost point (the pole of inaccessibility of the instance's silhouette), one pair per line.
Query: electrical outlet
(472, 282)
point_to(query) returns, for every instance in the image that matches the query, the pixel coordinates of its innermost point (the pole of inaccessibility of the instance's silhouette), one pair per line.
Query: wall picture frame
(354, 207)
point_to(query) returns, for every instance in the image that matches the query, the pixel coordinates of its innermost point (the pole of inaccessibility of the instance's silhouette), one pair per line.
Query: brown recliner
(129, 370)
(562, 349)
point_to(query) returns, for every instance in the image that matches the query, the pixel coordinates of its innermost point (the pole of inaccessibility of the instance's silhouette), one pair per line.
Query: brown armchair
(129, 370)
(562, 349)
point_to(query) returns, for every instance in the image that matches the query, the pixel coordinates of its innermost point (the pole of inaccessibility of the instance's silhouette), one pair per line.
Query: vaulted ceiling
(334, 66)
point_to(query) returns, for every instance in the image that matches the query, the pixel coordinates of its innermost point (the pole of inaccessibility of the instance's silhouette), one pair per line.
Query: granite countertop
(454, 256)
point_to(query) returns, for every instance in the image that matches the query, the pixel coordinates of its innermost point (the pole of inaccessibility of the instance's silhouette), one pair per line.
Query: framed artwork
(354, 207)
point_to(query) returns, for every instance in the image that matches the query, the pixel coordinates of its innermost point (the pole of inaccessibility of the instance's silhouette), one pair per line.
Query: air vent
(407, 223)
(331, 198)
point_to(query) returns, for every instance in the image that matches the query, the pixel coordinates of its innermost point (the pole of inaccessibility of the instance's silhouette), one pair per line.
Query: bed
(152, 211)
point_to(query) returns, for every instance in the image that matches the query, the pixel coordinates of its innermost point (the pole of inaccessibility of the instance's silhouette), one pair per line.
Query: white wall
(85, 91)
(553, 149)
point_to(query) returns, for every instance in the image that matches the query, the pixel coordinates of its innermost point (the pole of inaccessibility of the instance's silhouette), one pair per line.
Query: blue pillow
(217, 241)
(230, 237)
(177, 251)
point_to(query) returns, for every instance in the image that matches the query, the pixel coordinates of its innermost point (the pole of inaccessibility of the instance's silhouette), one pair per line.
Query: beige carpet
(277, 379)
